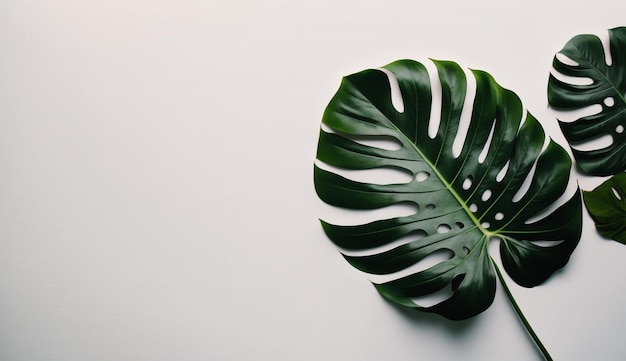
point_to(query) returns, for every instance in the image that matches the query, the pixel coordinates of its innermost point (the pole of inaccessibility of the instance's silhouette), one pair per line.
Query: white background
(156, 189)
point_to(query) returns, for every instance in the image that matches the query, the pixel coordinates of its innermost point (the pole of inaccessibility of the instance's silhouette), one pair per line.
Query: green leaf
(464, 200)
(607, 89)
(607, 206)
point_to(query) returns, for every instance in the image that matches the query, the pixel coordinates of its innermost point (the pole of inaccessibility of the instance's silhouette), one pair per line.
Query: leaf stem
(521, 316)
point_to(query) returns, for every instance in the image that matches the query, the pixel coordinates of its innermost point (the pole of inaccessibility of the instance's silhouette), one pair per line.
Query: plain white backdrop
(156, 188)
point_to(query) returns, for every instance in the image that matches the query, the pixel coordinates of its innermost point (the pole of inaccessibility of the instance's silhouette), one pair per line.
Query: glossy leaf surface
(607, 206)
(464, 198)
(606, 88)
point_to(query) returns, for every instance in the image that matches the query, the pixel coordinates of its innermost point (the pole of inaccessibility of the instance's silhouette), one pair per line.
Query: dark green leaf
(607, 206)
(464, 200)
(607, 89)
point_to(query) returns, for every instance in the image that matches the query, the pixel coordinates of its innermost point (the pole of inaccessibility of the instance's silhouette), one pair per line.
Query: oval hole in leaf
(616, 194)
(443, 228)
(422, 176)
(467, 183)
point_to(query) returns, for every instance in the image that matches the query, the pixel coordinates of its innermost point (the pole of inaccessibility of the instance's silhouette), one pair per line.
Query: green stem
(521, 316)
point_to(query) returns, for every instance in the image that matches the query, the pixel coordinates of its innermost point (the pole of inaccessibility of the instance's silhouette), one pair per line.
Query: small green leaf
(465, 197)
(607, 206)
(606, 88)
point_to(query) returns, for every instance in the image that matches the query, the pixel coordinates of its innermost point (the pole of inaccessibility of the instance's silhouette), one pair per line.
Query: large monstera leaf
(586, 60)
(607, 206)
(464, 200)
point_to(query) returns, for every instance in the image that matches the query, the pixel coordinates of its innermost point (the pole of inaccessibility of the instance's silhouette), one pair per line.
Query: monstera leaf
(607, 206)
(607, 88)
(465, 197)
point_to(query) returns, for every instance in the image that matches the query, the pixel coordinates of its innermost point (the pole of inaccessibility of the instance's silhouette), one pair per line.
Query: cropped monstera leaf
(586, 60)
(607, 206)
(465, 197)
